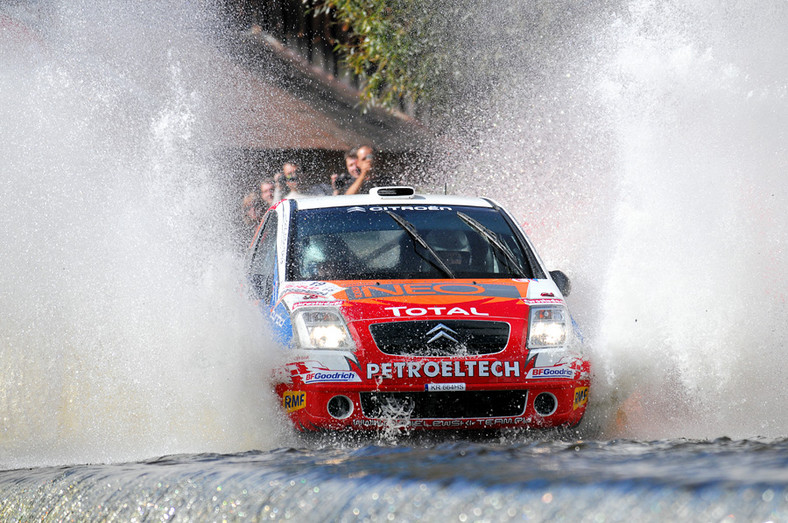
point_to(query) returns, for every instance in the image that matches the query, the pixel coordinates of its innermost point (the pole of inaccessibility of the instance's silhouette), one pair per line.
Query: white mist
(124, 334)
(643, 145)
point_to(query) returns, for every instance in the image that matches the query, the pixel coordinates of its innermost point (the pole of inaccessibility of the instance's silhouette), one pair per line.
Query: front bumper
(530, 404)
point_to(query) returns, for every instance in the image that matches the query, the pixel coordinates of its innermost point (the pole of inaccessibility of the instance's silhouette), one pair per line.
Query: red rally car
(414, 312)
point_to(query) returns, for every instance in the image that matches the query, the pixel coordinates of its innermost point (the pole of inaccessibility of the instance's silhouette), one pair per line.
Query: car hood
(398, 300)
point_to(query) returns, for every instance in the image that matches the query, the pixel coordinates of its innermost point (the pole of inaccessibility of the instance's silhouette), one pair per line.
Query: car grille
(443, 405)
(440, 337)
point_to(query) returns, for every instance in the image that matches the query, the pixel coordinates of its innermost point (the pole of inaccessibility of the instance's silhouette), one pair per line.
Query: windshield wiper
(410, 229)
(495, 242)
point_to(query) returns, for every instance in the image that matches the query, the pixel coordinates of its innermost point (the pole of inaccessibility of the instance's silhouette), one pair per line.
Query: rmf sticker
(581, 397)
(293, 400)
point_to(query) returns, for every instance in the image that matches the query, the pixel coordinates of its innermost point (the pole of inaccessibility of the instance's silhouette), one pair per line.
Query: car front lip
(314, 414)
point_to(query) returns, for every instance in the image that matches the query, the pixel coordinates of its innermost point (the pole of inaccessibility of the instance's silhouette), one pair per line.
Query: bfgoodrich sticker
(551, 372)
(331, 377)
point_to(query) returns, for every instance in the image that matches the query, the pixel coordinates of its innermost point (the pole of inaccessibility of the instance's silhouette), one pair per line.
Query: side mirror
(562, 281)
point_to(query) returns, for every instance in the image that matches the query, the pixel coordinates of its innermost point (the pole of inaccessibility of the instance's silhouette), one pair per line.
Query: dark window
(365, 242)
(263, 266)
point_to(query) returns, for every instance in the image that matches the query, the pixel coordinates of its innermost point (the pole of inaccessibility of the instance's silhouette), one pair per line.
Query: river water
(642, 143)
(539, 480)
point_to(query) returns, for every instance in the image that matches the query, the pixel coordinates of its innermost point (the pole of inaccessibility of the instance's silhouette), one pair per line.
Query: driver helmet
(453, 247)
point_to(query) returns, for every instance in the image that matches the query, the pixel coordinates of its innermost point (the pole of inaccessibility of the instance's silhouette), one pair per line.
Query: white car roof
(373, 198)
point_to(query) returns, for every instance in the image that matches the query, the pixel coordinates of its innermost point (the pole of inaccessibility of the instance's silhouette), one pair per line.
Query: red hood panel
(451, 299)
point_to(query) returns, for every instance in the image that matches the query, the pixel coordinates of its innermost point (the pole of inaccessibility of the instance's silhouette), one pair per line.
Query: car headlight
(321, 329)
(547, 326)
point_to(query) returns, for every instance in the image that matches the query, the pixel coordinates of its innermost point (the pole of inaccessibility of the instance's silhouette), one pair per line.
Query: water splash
(642, 143)
(695, 288)
(124, 335)
(643, 146)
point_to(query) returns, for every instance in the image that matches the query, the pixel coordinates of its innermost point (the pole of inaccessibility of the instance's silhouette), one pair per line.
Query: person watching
(287, 181)
(341, 182)
(252, 208)
(267, 192)
(365, 161)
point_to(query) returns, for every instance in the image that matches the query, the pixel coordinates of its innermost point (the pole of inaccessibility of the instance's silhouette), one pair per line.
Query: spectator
(365, 160)
(252, 207)
(288, 183)
(341, 182)
(267, 192)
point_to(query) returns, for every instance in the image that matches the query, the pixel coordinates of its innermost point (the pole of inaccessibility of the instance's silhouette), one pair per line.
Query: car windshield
(405, 242)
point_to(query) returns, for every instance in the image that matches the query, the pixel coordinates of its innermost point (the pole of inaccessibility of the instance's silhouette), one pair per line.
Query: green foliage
(391, 47)
(454, 56)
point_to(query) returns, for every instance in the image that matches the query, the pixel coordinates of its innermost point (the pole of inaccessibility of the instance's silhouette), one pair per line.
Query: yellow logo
(293, 400)
(581, 397)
